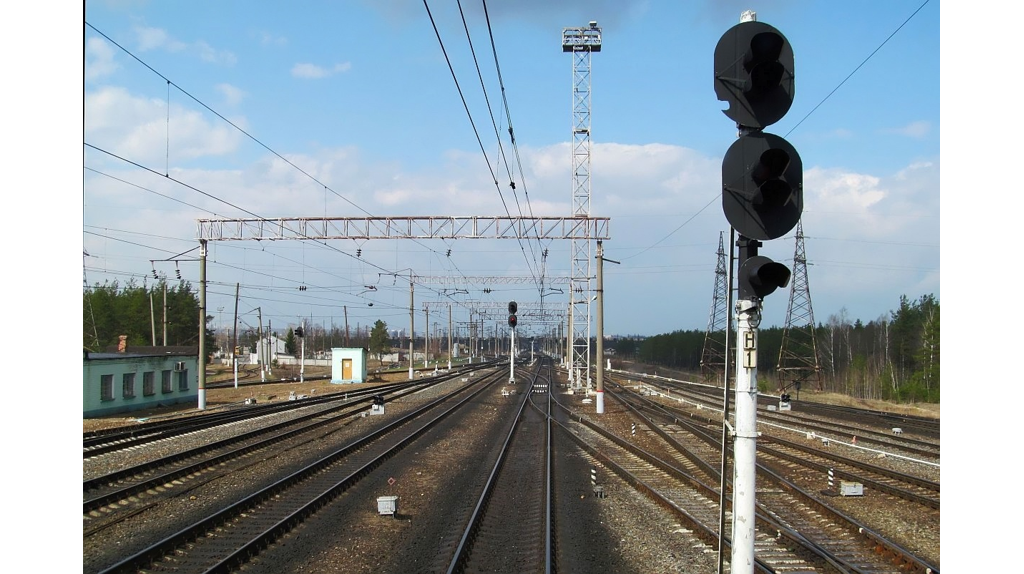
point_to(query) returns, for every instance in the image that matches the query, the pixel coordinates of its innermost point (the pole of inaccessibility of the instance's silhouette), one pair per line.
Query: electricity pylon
(712, 359)
(798, 357)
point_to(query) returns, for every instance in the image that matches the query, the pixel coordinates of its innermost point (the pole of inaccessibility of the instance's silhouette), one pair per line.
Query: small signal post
(512, 322)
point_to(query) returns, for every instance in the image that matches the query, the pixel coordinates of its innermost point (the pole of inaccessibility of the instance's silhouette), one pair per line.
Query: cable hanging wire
(494, 124)
(472, 123)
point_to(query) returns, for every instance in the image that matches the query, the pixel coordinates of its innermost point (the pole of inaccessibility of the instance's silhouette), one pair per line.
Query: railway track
(511, 523)
(112, 492)
(784, 509)
(223, 540)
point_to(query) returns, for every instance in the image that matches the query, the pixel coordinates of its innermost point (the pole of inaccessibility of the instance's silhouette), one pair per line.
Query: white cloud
(917, 130)
(141, 129)
(209, 54)
(158, 39)
(232, 95)
(312, 71)
(99, 59)
(268, 39)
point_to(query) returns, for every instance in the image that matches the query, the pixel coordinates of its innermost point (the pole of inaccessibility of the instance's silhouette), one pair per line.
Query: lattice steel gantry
(714, 355)
(798, 357)
(581, 42)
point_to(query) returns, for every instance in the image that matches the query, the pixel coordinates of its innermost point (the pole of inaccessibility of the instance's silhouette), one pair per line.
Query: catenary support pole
(260, 350)
(600, 326)
(412, 325)
(152, 318)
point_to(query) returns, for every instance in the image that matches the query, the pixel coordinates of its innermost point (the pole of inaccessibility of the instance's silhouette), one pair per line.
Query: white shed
(348, 365)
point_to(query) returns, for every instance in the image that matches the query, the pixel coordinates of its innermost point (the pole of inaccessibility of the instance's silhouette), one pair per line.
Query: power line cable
(472, 123)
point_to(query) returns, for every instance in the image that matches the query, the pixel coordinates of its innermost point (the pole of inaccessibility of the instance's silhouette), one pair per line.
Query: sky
(226, 110)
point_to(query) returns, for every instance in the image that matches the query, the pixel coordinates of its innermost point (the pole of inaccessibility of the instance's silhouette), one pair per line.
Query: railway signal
(754, 73)
(762, 198)
(759, 277)
(762, 186)
(512, 322)
(762, 174)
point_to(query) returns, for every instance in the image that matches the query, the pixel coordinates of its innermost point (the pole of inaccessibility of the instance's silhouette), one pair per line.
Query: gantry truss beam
(450, 280)
(491, 310)
(416, 227)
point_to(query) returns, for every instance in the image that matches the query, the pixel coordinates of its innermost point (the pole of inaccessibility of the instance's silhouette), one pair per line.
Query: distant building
(348, 365)
(138, 378)
(275, 350)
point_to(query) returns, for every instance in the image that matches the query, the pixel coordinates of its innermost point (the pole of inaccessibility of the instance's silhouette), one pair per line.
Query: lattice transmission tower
(712, 359)
(581, 42)
(798, 358)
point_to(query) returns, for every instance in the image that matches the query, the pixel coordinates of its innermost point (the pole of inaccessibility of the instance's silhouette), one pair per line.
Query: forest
(893, 357)
(111, 310)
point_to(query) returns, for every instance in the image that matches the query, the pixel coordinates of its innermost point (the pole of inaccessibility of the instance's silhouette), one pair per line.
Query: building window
(165, 382)
(106, 387)
(183, 380)
(147, 384)
(128, 385)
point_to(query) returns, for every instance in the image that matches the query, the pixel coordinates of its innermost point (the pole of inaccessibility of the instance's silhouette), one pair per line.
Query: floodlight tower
(581, 42)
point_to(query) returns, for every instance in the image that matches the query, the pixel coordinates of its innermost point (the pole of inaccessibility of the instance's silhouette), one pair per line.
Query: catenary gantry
(414, 227)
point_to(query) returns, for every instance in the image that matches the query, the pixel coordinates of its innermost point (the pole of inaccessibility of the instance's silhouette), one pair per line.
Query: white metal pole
(201, 375)
(745, 445)
(512, 357)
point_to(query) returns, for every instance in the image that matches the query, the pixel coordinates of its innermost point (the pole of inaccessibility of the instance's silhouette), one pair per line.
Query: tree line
(894, 357)
(113, 309)
(137, 311)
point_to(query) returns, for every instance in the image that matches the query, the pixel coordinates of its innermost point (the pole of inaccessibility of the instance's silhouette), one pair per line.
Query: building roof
(169, 351)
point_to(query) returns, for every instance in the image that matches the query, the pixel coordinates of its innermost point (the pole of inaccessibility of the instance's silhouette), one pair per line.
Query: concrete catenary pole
(261, 350)
(152, 318)
(412, 324)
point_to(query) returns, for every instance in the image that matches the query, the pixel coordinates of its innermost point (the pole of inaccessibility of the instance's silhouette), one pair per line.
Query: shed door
(346, 369)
